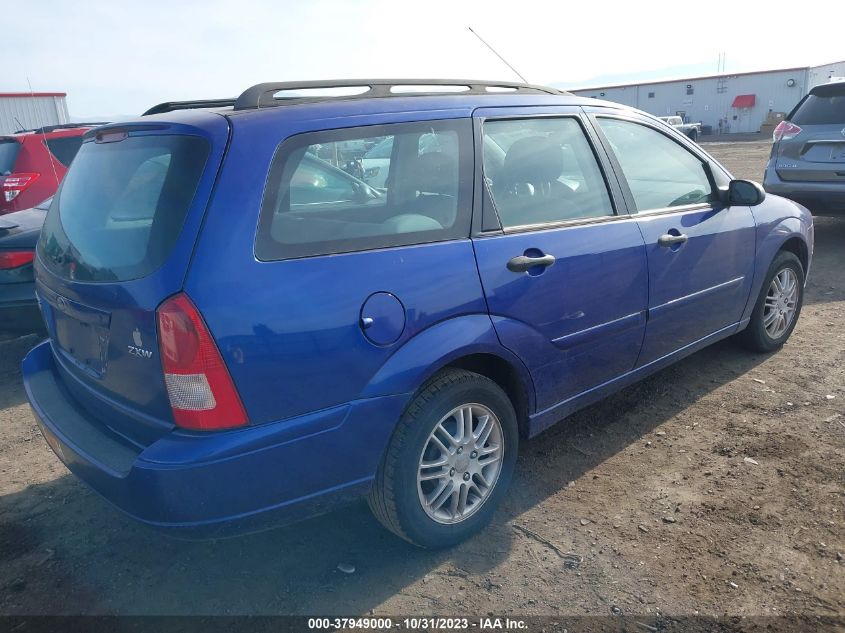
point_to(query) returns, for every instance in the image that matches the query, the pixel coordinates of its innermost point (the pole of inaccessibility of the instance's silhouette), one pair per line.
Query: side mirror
(745, 193)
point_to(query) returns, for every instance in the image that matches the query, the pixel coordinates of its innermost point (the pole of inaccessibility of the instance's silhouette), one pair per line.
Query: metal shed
(726, 103)
(28, 110)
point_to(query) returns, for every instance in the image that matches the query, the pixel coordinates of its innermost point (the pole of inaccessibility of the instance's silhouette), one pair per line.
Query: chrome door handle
(522, 263)
(668, 239)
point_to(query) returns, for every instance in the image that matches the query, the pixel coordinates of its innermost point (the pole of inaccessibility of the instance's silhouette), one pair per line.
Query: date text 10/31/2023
(418, 623)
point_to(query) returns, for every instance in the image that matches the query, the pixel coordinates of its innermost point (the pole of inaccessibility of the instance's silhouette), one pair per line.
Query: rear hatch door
(116, 242)
(20, 229)
(18, 236)
(817, 152)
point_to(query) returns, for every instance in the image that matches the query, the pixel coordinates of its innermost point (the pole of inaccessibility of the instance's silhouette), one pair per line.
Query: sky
(119, 58)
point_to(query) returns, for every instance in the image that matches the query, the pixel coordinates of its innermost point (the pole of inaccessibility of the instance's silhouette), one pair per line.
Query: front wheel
(693, 135)
(449, 462)
(778, 305)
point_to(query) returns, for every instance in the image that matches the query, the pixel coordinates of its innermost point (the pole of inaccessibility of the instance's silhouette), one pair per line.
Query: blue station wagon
(244, 331)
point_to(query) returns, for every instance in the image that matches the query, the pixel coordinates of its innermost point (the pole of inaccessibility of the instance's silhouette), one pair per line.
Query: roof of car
(370, 96)
(427, 107)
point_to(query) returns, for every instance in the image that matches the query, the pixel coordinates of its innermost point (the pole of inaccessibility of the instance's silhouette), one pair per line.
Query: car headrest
(436, 172)
(534, 159)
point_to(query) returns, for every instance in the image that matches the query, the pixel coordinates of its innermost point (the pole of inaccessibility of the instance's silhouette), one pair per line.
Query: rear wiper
(7, 225)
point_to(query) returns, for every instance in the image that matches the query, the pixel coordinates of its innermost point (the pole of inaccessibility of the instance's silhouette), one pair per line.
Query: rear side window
(121, 207)
(363, 188)
(825, 106)
(64, 148)
(8, 155)
(660, 172)
(542, 171)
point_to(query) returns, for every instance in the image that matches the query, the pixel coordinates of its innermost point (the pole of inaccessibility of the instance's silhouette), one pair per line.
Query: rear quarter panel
(289, 330)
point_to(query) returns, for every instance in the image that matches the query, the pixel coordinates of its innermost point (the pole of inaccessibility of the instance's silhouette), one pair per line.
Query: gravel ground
(715, 487)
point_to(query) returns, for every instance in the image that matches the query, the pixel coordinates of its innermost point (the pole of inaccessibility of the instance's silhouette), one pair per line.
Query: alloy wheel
(460, 463)
(781, 303)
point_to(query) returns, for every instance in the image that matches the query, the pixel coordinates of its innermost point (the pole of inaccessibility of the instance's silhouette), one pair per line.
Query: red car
(33, 163)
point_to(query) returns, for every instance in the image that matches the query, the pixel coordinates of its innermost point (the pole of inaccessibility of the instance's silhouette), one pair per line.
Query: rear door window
(826, 106)
(9, 149)
(357, 189)
(64, 148)
(543, 171)
(121, 207)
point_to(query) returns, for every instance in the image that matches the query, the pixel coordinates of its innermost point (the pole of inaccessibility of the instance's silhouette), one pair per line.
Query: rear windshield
(121, 207)
(8, 153)
(825, 106)
(64, 148)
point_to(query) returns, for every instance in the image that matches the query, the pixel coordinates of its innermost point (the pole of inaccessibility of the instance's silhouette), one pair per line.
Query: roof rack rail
(170, 106)
(263, 95)
(62, 126)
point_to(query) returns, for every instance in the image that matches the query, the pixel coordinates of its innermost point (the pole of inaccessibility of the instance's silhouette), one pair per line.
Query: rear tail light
(785, 131)
(14, 184)
(15, 259)
(201, 392)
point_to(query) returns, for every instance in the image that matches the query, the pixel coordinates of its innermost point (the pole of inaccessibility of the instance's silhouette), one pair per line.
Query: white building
(27, 111)
(738, 102)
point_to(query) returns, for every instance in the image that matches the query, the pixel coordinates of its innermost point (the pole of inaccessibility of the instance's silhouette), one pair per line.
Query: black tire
(693, 135)
(394, 498)
(754, 336)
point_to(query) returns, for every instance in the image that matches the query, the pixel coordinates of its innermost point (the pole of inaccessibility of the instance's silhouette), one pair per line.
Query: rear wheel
(693, 134)
(778, 305)
(449, 462)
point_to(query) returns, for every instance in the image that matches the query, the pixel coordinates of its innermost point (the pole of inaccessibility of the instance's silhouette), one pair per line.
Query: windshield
(64, 148)
(825, 108)
(382, 150)
(121, 207)
(9, 149)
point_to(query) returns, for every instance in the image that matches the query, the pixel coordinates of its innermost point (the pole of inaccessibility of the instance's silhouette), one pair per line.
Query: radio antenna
(43, 135)
(518, 74)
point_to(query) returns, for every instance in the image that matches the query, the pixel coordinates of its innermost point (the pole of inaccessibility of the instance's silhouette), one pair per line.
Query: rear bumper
(816, 196)
(18, 308)
(216, 484)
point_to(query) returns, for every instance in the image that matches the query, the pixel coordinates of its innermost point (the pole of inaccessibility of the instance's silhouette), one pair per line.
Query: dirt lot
(651, 488)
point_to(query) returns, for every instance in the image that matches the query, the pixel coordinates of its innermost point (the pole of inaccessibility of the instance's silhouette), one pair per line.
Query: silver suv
(807, 163)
